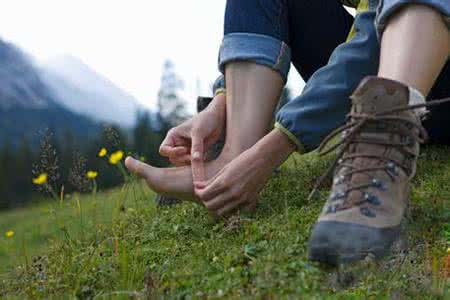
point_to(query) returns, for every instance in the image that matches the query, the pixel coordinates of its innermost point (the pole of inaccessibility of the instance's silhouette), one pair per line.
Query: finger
(212, 188)
(219, 201)
(232, 206)
(169, 151)
(200, 185)
(167, 143)
(178, 161)
(197, 160)
(138, 167)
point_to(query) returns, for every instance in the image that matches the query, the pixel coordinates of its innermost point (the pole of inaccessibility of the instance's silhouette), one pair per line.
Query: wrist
(218, 105)
(275, 147)
(219, 100)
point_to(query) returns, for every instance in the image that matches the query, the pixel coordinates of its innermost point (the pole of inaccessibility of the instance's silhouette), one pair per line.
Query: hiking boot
(377, 157)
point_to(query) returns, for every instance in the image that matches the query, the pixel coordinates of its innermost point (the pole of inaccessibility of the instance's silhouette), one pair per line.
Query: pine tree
(23, 167)
(8, 174)
(147, 140)
(171, 106)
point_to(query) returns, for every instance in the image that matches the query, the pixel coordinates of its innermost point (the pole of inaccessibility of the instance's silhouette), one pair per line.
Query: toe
(149, 173)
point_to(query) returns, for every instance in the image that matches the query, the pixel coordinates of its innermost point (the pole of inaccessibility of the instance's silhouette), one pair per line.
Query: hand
(239, 183)
(194, 137)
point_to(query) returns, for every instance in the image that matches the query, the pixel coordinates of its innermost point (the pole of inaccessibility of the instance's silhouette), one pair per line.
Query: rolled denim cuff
(389, 7)
(260, 49)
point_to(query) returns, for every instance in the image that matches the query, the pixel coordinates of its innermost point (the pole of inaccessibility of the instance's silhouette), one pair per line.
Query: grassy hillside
(120, 245)
(38, 226)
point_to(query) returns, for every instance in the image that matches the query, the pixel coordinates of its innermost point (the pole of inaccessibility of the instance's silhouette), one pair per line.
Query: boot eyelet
(392, 168)
(377, 183)
(331, 209)
(339, 179)
(341, 194)
(372, 199)
(367, 212)
(338, 195)
(344, 134)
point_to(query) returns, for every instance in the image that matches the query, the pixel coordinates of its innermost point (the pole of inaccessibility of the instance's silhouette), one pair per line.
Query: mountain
(28, 104)
(84, 91)
(20, 85)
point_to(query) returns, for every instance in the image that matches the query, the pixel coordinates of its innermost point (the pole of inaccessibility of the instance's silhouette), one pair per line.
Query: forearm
(275, 148)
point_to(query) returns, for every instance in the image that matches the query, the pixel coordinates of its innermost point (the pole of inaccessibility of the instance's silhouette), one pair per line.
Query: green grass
(133, 249)
(38, 226)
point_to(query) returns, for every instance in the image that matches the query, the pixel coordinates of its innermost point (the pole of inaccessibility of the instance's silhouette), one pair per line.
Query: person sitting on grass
(373, 86)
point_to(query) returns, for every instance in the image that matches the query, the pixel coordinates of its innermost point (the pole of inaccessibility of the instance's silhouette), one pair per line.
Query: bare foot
(176, 182)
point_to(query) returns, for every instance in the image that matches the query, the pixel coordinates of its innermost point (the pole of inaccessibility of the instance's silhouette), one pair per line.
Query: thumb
(197, 157)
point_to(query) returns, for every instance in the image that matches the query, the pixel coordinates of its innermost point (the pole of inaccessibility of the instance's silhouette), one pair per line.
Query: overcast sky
(126, 41)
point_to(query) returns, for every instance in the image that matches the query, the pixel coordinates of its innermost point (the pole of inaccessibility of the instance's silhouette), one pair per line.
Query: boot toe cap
(338, 242)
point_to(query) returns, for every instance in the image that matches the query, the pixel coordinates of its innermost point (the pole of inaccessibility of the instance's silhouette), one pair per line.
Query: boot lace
(350, 135)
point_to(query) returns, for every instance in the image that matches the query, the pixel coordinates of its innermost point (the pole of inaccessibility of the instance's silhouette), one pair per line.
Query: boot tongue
(375, 95)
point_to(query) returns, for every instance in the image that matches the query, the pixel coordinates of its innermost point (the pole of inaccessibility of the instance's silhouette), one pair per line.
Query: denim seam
(280, 11)
(281, 53)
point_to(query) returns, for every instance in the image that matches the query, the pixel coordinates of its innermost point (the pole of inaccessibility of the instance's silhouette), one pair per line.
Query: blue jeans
(311, 35)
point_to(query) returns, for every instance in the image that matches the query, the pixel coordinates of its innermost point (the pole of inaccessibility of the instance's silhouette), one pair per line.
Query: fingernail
(199, 184)
(196, 155)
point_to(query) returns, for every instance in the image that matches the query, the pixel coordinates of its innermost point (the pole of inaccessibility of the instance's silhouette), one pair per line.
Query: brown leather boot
(377, 157)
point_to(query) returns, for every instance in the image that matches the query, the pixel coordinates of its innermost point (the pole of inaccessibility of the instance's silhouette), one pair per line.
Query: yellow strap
(220, 91)
(300, 149)
(362, 6)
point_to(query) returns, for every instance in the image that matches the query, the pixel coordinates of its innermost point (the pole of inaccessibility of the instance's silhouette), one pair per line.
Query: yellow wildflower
(41, 179)
(116, 157)
(91, 174)
(448, 250)
(102, 152)
(9, 234)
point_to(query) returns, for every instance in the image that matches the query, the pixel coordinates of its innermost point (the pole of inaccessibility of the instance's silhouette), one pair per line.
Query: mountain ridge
(28, 105)
(83, 90)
